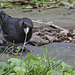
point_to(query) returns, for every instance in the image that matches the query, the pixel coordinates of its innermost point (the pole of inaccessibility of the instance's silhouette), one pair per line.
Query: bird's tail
(2, 13)
(3, 16)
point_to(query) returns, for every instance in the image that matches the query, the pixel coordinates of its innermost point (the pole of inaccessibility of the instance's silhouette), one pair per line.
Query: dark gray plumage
(14, 28)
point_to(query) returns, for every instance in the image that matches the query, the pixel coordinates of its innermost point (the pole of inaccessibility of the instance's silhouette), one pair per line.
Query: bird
(18, 30)
(15, 29)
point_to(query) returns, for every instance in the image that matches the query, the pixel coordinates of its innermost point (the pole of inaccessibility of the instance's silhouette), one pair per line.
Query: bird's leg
(13, 50)
(24, 48)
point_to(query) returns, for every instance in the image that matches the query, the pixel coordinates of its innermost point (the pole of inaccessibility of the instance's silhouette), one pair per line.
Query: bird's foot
(13, 53)
(26, 49)
(17, 50)
(14, 50)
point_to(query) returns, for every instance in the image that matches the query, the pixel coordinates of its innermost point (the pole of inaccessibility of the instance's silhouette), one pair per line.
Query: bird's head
(26, 24)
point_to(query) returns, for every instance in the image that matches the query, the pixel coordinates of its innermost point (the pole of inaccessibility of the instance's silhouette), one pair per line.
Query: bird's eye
(24, 25)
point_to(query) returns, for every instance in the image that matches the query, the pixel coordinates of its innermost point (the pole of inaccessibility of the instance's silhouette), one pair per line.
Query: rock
(37, 40)
(73, 41)
(73, 31)
(69, 35)
(64, 32)
(70, 38)
(50, 38)
(74, 37)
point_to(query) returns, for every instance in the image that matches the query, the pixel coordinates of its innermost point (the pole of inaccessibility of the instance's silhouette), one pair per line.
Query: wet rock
(37, 40)
(70, 38)
(51, 35)
(73, 41)
(50, 38)
(63, 32)
(74, 37)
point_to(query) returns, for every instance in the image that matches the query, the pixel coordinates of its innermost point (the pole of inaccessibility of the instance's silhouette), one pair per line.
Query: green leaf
(15, 61)
(53, 73)
(18, 62)
(12, 74)
(3, 64)
(34, 62)
(65, 65)
(20, 69)
(33, 57)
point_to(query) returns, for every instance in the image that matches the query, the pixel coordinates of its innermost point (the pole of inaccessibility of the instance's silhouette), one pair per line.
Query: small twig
(52, 25)
(50, 7)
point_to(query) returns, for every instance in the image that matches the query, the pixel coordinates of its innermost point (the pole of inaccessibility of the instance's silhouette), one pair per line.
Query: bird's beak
(26, 30)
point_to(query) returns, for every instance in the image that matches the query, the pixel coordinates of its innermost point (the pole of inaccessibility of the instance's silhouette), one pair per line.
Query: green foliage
(35, 66)
(40, 4)
(6, 5)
